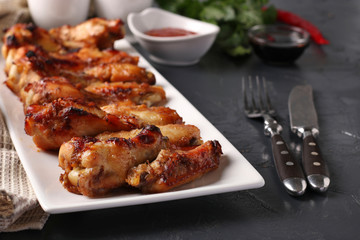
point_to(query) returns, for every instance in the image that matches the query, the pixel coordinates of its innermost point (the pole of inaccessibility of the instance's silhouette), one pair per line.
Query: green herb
(234, 17)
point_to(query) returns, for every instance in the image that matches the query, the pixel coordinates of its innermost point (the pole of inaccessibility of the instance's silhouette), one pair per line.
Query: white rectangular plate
(234, 173)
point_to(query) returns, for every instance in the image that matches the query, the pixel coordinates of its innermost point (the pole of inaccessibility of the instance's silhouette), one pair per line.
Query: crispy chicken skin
(29, 63)
(94, 167)
(95, 32)
(179, 135)
(83, 158)
(47, 90)
(120, 72)
(50, 124)
(31, 68)
(148, 115)
(120, 91)
(95, 56)
(174, 168)
(22, 34)
(53, 123)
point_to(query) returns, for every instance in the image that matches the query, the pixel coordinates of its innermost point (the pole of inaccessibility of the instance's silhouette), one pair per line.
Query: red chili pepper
(292, 19)
(295, 20)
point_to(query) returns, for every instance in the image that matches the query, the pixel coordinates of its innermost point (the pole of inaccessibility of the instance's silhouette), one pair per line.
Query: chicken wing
(47, 90)
(94, 167)
(53, 123)
(180, 136)
(157, 115)
(22, 34)
(174, 168)
(95, 32)
(120, 91)
(120, 72)
(95, 56)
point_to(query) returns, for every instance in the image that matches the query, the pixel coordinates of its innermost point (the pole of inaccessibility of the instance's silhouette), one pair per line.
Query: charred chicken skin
(180, 136)
(117, 152)
(174, 168)
(94, 167)
(54, 123)
(94, 33)
(30, 64)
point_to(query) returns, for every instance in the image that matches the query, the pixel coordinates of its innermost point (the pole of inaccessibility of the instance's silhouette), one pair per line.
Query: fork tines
(261, 94)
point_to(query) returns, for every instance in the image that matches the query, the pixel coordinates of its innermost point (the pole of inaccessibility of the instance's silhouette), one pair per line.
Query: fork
(289, 170)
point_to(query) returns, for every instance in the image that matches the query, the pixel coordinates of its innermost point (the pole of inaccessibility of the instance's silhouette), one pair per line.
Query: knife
(304, 123)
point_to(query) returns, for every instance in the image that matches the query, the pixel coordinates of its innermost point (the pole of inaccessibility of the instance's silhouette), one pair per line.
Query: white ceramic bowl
(55, 13)
(179, 51)
(111, 9)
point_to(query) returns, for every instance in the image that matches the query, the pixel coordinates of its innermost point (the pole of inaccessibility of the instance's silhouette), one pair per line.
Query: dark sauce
(279, 44)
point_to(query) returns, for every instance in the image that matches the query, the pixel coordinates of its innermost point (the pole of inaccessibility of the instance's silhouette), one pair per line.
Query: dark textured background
(214, 87)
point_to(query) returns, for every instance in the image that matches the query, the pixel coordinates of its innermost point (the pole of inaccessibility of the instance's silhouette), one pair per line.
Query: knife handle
(315, 167)
(289, 170)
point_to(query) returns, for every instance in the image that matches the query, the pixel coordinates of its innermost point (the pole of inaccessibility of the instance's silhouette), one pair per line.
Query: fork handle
(289, 170)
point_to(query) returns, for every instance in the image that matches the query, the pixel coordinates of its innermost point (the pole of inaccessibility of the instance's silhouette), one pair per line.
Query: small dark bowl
(279, 44)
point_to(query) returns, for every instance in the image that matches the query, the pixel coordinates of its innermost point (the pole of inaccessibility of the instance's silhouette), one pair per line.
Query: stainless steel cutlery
(289, 171)
(303, 120)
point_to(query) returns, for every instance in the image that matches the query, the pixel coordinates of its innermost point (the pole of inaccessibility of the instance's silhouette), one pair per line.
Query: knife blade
(304, 123)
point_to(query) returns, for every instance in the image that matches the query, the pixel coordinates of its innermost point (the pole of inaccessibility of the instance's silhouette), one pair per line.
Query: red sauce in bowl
(169, 32)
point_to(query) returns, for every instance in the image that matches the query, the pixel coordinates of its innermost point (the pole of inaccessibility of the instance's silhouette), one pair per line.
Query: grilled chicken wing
(148, 115)
(180, 136)
(94, 167)
(120, 72)
(175, 168)
(58, 121)
(95, 56)
(53, 123)
(33, 61)
(47, 90)
(31, 68)
(121, 91)
(95, 32)
(22, 34)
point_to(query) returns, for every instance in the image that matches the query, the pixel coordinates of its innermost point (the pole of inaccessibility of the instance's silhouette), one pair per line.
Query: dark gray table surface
(213, 86)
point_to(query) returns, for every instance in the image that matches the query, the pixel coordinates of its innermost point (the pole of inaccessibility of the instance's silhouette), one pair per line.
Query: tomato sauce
(169, 32)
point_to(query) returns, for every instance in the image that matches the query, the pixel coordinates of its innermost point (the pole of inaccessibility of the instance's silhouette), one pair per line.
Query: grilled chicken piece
(56, 122)
(148, 115)
(120, 72)
(175, 168)
(94, 167)
(120, 91)
(47, 90)
(179, 135)
(94, 56)
(95, 32)
(31, 61)
(22, 34)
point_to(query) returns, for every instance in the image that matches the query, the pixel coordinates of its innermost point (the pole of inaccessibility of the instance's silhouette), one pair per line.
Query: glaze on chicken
(94, 167)
(172, 169)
